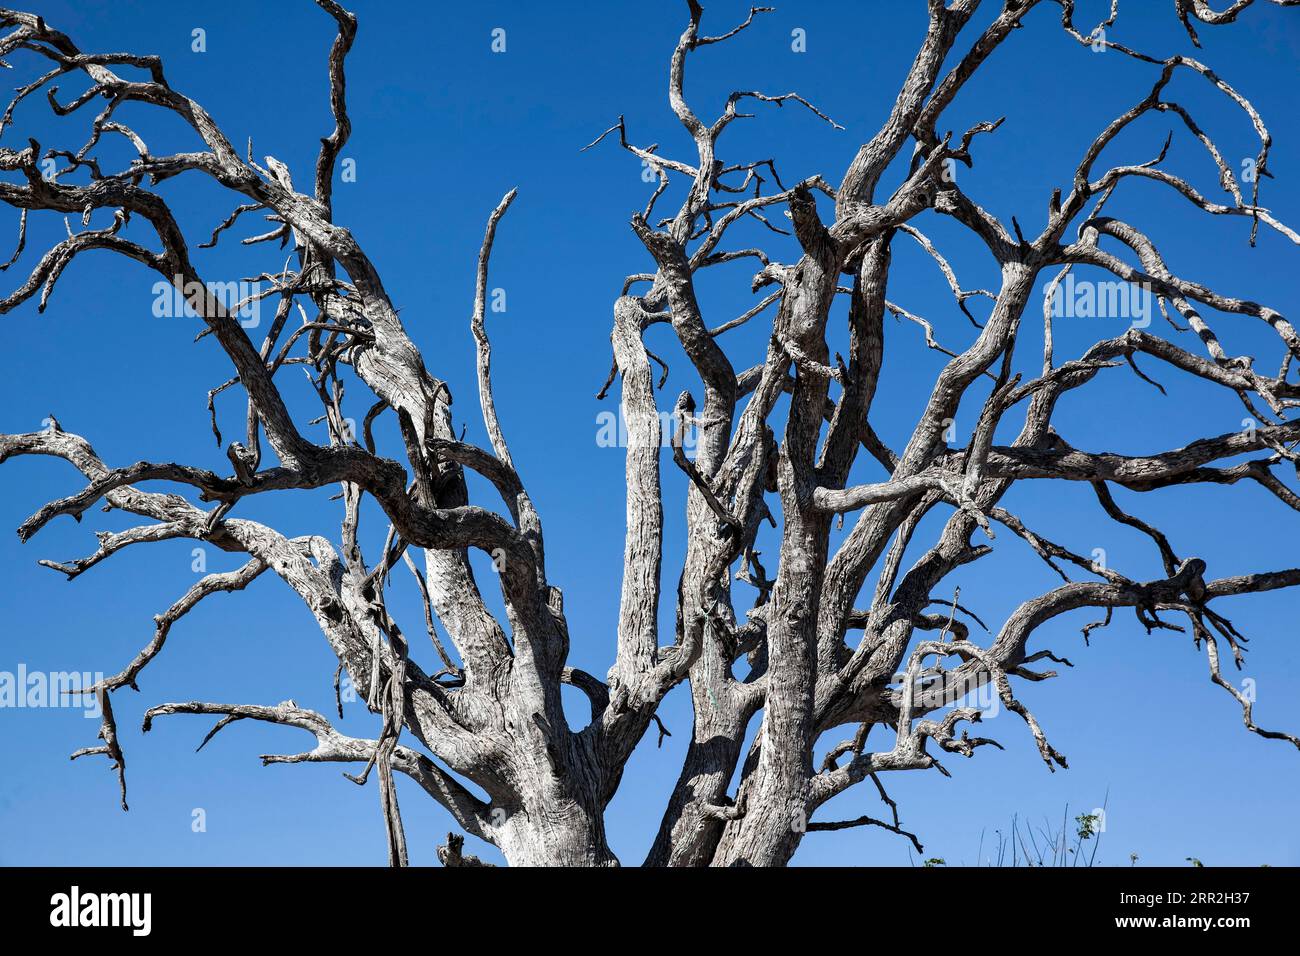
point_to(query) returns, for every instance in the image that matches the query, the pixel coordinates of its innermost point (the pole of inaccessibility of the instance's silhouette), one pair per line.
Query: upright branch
(768, 456)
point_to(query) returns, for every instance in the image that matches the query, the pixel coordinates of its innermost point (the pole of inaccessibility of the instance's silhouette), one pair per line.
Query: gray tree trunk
(486, 734)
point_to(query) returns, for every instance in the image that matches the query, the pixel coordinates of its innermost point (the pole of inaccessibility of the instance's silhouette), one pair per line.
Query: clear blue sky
(442, 127)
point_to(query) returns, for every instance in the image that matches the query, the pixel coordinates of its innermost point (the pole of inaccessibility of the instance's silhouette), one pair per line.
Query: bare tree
(811, 654)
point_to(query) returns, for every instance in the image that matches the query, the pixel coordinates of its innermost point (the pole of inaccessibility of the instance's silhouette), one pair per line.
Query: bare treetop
(802, 648)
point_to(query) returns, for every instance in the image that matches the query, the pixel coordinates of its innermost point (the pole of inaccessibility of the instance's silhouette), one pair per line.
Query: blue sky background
(442, 127)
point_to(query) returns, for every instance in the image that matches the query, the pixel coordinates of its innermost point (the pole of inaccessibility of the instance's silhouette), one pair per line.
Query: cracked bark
(788, 666)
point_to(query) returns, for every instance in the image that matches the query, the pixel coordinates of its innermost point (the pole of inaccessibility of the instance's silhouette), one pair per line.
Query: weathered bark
(492, 716)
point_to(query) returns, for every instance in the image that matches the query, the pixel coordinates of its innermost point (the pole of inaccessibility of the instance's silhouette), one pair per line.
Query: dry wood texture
(810, 653)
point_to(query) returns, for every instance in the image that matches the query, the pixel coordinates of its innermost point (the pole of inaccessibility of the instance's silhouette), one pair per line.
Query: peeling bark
(811, 653)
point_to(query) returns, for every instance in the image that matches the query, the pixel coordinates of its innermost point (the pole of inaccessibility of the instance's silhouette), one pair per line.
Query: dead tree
(812, 654)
